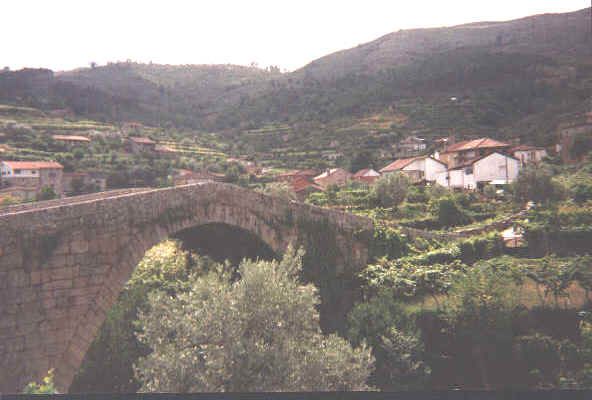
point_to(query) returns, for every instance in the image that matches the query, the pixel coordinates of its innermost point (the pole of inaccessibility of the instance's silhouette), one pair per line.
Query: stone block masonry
(63, 263)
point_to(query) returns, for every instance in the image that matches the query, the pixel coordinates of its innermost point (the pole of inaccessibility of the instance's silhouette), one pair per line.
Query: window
(17, 171)
(468, 170)
(52, 174)
(33, 172)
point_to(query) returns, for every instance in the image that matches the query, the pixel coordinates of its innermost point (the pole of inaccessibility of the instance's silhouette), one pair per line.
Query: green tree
(279, 189)
(535, 183)
(259, 333)
(360, 160)
(450, 213)
(46, 193)
(383, 323)
(390, 190)
(233, 174)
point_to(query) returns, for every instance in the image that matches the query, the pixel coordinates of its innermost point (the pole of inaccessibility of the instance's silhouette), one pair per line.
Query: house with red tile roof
(288, 176)
(302, 186)
(71, 139)
(366, 175)
(28, 178)
(462, 152)
(495, 168)
(419, 169)
(334, 176)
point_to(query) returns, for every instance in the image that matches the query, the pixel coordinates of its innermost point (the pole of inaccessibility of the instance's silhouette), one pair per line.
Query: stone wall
(63, 264)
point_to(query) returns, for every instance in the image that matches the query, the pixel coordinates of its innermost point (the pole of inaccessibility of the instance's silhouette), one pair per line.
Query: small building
(419, 169)
(412, 145)
(303, 187)
(334, 176)
(72, 140)
(461, 153)
(528, 154)
(289, 176)
(141, 145)
(475, 174)
(366, 175)
(31, 177)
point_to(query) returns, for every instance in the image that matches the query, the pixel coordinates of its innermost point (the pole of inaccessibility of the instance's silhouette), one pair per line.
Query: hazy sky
(66, 34)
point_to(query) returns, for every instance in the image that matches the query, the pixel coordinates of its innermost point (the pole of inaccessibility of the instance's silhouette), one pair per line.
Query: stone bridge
(63, 263)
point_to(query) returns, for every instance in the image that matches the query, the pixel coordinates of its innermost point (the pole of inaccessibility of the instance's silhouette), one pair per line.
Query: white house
(528, 154)
(476, 173)
(419, 169)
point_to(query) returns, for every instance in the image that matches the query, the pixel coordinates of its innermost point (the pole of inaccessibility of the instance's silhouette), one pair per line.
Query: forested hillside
(514, 78)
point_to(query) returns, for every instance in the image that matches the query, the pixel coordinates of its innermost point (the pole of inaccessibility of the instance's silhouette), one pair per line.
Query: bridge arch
(65, 263)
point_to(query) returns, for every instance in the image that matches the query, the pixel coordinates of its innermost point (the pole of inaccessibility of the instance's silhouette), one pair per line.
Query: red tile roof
(474, 160)
(331, 172)
(366, 172)
(298, 172)
(301, 183)
(71, 138)
(481, 143)
(142, 140)
(33, 164)
(399, 164)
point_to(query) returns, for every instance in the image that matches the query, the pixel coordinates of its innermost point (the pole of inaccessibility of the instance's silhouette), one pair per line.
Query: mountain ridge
(504, 73)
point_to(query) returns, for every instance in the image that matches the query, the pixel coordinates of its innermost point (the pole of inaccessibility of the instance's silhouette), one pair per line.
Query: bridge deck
(40, 205)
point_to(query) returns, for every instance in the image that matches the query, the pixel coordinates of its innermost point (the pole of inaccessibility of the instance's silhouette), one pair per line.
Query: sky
(68, 34)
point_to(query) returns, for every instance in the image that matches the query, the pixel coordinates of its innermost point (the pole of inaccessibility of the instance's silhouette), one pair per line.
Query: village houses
(71, 140)
(495, 168)
(26, 179)
(334, 176)
(366, 175)
(418, 169)
(460, 153)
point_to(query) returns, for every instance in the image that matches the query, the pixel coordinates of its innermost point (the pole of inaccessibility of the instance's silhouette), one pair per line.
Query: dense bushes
(536, 183)
(564, 230)
(388, 242)
(480, 335)
(390, 190)
(259, 332)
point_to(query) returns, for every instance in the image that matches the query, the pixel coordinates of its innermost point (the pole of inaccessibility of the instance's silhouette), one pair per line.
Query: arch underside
(223, 243)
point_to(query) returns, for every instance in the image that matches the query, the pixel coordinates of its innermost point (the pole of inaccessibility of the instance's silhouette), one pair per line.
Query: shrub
(383, 323)
(47, 386)
(279, 189)
(390, 190)
(450, 214)
(259, 333)
(535, 183)
(388, 242)
(46, 193)
(582, 192)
